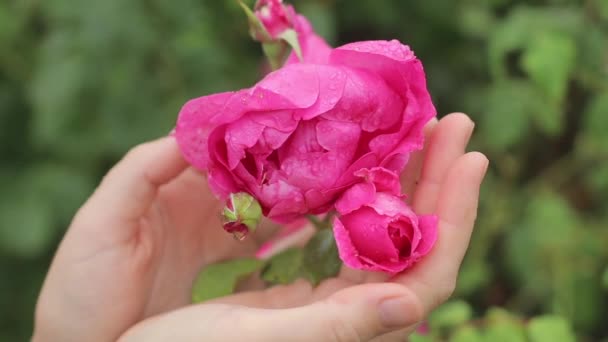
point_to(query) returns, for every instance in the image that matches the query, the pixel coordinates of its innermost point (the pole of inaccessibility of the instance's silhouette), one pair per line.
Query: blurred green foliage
(83, 81)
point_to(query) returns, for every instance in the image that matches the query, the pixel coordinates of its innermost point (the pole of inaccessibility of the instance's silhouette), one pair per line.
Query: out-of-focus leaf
(467, 333)
(476, 20)
(284, 267)
(548, 60)
(605, 279)
(502, 326)
(509, 106)
(517, 30)
(320, 259)
(602, 7)
(415, 337)
(473, 275)
(218, 280)
(550, 329)
(594, 140)
(25, 224)
(321, 18)
(450, 315)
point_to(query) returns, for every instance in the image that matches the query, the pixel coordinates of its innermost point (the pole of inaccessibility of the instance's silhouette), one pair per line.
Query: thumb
(358, 313)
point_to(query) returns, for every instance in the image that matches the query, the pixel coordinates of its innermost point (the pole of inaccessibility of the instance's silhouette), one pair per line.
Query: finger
(355, 314)
(411, 174)
(129, 188)
(434, 278)
(448, 142)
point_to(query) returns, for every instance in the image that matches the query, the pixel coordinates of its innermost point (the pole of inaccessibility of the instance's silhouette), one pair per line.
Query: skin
(126, 264)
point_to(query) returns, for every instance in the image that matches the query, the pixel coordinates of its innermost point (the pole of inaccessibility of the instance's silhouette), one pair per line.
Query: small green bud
(241, 215)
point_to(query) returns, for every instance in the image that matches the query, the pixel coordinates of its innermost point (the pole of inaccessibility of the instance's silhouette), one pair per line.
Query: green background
(83, 81)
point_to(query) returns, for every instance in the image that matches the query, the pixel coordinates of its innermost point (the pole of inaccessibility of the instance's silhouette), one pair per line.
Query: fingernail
(394, 312)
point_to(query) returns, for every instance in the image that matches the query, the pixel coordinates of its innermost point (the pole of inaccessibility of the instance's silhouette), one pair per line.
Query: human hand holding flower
(128, 260)
(331, 129)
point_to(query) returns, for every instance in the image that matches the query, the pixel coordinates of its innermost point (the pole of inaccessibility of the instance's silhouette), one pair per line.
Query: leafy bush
(82, 81)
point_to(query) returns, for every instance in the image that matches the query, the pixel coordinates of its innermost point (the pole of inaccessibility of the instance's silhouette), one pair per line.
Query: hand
(124, 260)
(133, 249)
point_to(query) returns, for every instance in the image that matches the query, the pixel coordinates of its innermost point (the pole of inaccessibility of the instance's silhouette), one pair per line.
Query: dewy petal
(391, 206)
(332, 81)
(356, 197)
(427, 225)
(369, 235)
(385, 180)
(390, 60)
(398, 67)
(367, 101)
(297, 83)
(197, 119)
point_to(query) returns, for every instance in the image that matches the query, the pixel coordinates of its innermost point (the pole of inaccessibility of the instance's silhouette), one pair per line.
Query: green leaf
(320, 259)
(450, 315)
(550, 329)
(26, 224)
(220, 279)
(284, 267)
(549, 59)
(466, 333)
(503, 326)
(594, 140)
(415, 337)
(605, 279)
(509, 105)
(516, 32)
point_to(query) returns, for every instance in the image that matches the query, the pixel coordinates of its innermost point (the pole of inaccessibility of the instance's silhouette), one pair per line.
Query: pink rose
(376, 230)
(275, 16)
(295, 139)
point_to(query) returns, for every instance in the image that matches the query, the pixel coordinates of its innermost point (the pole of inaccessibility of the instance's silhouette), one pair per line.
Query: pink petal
(390, 60)
(241, 135)
(368, 101)
(332, 81)
(294, 86)
(347, 251)
(427, 224)
(197, 119)
(385, 180)
(368, 232)
(391, 206)
(356, 197)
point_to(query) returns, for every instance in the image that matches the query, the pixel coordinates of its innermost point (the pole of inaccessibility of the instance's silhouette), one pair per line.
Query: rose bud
(274, 24)
(241, 215)
(376, 230)
(275, 16)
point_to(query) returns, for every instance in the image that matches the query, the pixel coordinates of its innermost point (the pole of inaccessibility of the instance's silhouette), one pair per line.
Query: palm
(185, 232)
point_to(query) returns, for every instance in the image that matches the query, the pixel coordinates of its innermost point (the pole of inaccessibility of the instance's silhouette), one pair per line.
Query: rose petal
(368, 101)
(427, 224)
(391, 206)
(385, 180)
(369, 235)
(356, 197)
(197, 119)
(347, 251)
